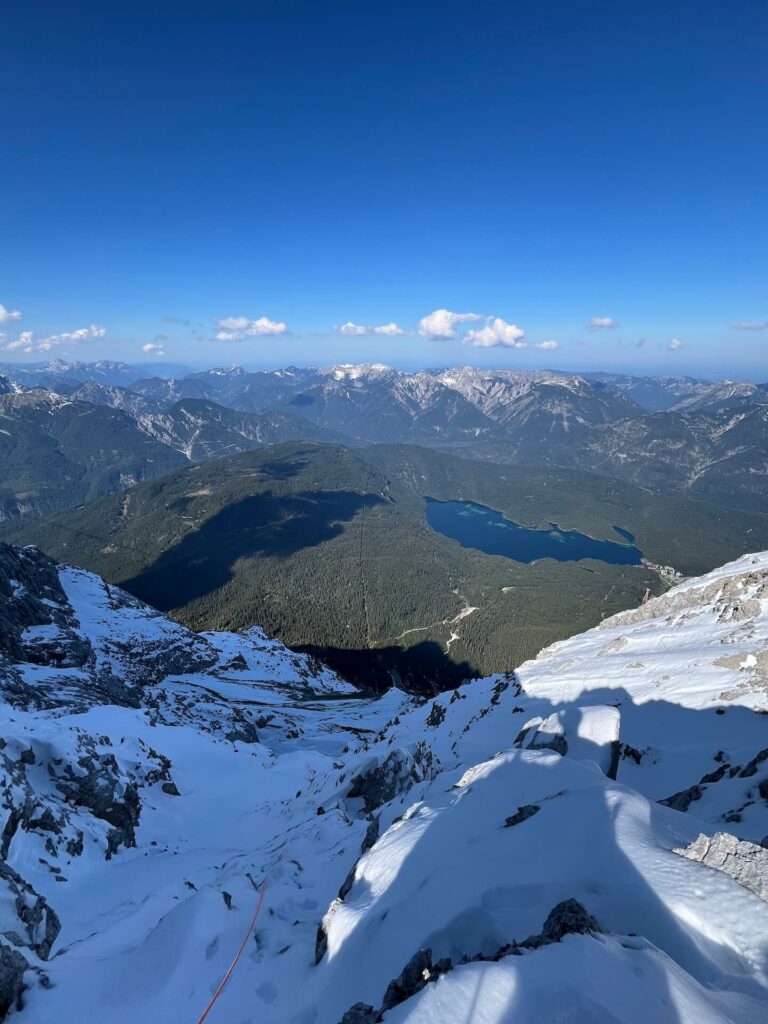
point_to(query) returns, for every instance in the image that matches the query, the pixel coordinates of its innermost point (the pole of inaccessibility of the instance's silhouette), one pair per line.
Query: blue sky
(168, 165)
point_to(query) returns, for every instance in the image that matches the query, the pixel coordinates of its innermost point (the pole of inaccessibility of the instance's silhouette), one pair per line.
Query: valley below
(331, 549)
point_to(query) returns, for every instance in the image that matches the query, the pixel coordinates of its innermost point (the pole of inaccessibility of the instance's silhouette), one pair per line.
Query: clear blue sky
(168, 164)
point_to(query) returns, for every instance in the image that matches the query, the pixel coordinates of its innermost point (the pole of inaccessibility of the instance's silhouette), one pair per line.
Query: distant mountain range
(705, 439)
(714, 453)
(61, 375)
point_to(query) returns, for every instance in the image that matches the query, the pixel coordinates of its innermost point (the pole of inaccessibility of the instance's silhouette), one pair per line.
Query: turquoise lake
(475, 526)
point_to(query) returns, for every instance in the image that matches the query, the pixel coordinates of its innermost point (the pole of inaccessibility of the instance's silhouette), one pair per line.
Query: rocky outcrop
(522, 814)
(415, 975)
(746, 862)
(88, 789)
(39, 626)
(734, 599)
(12, 968)
(38, 924)
(541, 734)
(436, 715)
(103, 790)
(751, 767)
(360, 1013)
(682, 801)
(395, 775)
(567, 918)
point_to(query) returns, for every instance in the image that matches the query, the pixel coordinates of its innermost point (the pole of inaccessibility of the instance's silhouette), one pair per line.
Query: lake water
(475, 526)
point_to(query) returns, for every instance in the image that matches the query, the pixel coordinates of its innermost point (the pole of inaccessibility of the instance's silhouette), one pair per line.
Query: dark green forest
(328, 549)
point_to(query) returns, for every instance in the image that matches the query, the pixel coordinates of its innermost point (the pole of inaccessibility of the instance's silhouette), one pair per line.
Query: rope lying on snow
(259, 904)
(233, 965)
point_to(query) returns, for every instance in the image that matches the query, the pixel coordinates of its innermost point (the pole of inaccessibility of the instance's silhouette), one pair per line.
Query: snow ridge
(584, 832)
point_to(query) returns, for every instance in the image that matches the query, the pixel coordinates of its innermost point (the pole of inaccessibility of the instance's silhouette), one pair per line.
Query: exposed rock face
(746, 862)
(750, 769)
(735, 599)
(87, 777)
(371, 834)
(101, 789)
(415, 975)
(36, 624)
(682, 801)
(39, 626)
(394, 775)
(436, 715)
(568, 918)
(522, 814)
(12, 967)
(540, 734)
(360, 1013)
(38, 923)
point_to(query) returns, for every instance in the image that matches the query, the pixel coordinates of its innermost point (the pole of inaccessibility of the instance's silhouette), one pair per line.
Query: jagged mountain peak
(9, 386)
(359, 371)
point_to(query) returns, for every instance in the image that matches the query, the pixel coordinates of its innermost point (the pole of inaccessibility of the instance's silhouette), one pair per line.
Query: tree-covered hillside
(329, 549)
(56, 453)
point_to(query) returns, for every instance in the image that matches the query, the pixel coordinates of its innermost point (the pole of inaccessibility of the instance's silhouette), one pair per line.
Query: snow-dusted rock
(12, 968)
(746, 862)
(442, 872)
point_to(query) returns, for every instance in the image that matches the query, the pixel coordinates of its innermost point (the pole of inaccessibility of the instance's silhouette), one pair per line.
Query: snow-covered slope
(523, 849)
(539, 402)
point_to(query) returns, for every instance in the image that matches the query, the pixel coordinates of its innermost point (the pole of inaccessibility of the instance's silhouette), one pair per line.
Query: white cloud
(22, 344)
(27, 342)
(548, 345)
(70, 337)
(497, 333)
(234, 323)
(8, 316)
(391, 330)
(442, 323)
(674, 344)
(599, 323)
(352, 329)
(744, 325)
(237, 328)
(153, 349)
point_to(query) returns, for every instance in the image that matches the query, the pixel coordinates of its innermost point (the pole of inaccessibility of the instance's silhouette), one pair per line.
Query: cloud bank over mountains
(27, 342)
(390, 330)
(475, 329)
(238, 328)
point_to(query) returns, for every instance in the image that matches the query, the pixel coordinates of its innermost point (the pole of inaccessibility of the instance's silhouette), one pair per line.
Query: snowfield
(527, 848)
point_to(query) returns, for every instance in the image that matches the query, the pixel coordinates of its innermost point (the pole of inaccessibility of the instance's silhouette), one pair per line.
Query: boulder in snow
(746, 862)
(12, 967)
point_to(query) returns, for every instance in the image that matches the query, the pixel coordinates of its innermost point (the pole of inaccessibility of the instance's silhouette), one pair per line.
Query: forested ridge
(328, 549)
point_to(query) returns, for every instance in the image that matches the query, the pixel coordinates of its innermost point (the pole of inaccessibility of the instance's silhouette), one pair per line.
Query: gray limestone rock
(746, 862)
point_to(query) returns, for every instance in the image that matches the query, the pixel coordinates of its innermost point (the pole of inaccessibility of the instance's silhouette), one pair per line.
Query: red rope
(233, 965)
